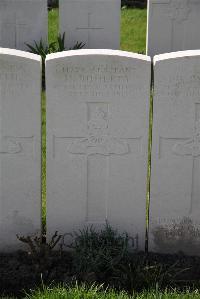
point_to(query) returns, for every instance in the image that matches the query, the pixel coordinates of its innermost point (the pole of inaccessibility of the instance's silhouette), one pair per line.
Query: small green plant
(43, 50)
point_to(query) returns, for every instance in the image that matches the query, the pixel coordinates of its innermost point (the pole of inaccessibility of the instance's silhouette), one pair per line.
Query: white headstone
(96, 23)
(175, 175)
(97, 140)
(173, 25)
(20, 146)
(23, 22)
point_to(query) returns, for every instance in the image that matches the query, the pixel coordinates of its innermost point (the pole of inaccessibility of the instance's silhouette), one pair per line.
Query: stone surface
(23, 21)
(20, 146)
(173, 25)
(96, 23)
(175, 177)
(97, 140)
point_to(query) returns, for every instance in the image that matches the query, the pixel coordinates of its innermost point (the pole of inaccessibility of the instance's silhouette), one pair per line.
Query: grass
(53, 25)
(94, 292)
(133, 30)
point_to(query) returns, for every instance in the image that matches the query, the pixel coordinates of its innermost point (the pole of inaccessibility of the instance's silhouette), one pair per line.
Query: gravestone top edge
(100, 52)
(174, 55)
(18, 53)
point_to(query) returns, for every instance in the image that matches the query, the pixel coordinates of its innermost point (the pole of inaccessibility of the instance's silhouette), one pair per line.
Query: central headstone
(96, 23)
(23, 22)
(97, 140)
(173, 26)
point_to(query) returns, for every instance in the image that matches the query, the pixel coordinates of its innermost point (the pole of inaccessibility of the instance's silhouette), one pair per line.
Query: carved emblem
(179, 10)
(190, 147)
(10, 147)
(98, 140)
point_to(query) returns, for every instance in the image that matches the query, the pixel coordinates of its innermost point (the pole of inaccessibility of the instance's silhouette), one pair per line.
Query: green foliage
(139, 273)
(97, 254)
(61, 43)
(98, 292)
(106, 257)
(57, 46)
(76, 292)
(77, 46)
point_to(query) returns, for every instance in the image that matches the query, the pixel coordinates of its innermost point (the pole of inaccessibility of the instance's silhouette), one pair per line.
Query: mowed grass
(133, 30)
(53, 25)
(97, 293)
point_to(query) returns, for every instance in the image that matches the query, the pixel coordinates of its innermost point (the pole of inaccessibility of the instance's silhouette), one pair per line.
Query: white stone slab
(21, 22)
(96, 23)
(173, 25)
(175, 176)
(20, 146)
(97, 140)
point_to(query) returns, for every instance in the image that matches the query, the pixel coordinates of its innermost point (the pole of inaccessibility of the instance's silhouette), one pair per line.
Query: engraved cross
(15, 25)
(178, 11)
(89, 28)
(190, 147)
(98, 146)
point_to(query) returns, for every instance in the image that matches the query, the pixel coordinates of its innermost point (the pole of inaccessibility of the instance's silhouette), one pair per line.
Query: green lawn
(133, 30)
(97, 293)
(53, 25)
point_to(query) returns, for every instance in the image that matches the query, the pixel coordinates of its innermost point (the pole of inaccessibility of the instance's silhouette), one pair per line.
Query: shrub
(97, 255)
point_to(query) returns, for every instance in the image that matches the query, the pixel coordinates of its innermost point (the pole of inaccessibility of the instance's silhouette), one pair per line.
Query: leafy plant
(96, 254)
(77, 46)
(43, 50)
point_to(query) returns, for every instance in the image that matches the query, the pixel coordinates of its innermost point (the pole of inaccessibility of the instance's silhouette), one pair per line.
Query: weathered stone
(97, 140)
(96, 23)
(173, 25)
(175, 188)
(20, 146)
(23, 22)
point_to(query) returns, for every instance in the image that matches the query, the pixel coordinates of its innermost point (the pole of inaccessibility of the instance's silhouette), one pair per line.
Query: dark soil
(19, 272)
